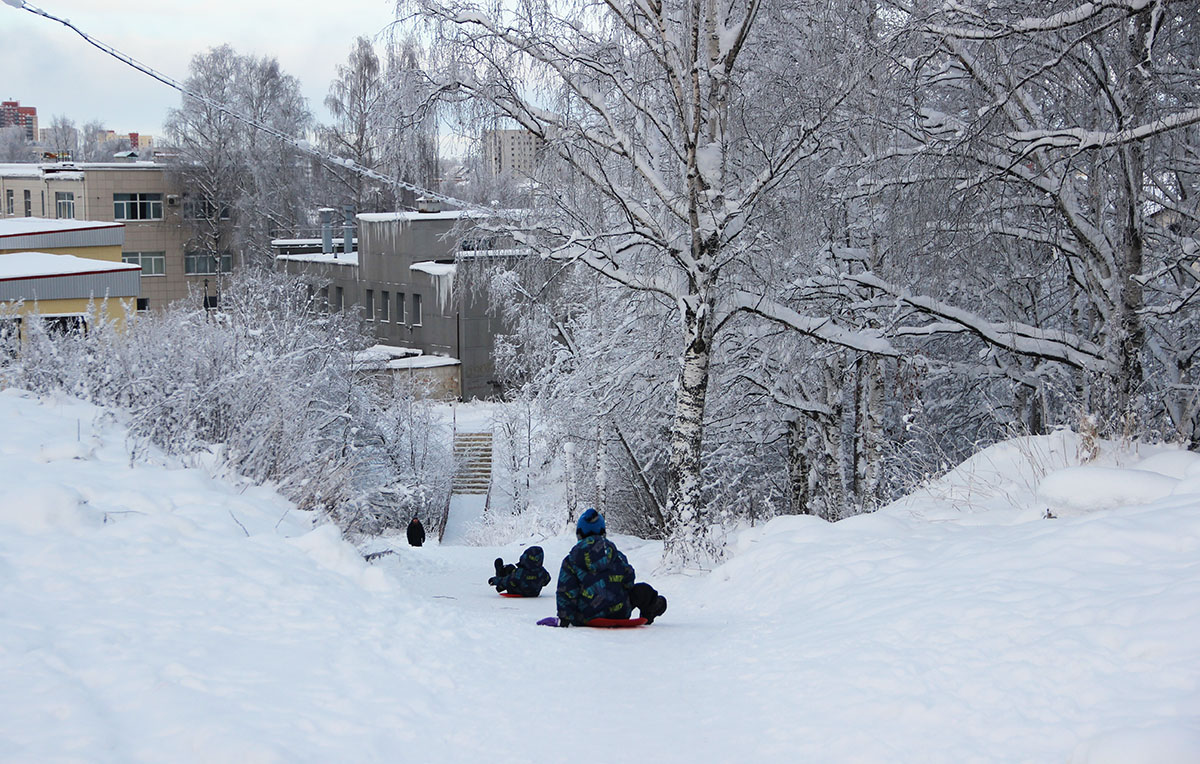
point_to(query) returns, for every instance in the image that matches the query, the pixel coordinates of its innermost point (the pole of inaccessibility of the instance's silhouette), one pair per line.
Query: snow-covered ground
(150, 613)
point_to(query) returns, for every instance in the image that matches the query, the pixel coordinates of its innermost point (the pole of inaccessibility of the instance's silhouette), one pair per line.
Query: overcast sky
(45, 64)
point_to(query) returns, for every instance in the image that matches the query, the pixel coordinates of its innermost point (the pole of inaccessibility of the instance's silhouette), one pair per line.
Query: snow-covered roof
(61, 170)
(423, 362)
(384, 353)
(410, 215)
(394, 357)
(25, 265)
(337, 239)
(333, 258)
(482, 254)
(27, 226)
(434, 268)
(21, 170)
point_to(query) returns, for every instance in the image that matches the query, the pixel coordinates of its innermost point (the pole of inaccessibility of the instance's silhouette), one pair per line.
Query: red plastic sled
(599, 623)
(510, 594)
(616, 623)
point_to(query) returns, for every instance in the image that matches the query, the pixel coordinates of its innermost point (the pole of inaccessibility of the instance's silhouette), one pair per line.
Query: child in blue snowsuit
(597, 581)
(526, 578)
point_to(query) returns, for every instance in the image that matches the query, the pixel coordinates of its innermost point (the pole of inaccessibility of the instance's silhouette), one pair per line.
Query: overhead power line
(299, 144)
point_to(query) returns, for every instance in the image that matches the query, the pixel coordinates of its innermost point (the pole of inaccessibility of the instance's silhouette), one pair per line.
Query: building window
(143, 304)
(28, 204)
(64, 326)
(64, 204)
(369, 305)
(416, 310)
(399, 307)
(197, 207)
(205, 263)
(137, 207)
(153, 263)
(9, 201)
(383, 306)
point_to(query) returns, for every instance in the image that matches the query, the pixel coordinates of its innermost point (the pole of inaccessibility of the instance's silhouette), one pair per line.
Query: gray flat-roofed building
(44, 276)
(406, 280)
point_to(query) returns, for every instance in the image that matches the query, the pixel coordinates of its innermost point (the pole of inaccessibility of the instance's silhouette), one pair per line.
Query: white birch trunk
(687, 518)
(572, 482)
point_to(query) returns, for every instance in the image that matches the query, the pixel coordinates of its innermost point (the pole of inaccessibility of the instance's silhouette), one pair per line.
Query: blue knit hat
(590, 523)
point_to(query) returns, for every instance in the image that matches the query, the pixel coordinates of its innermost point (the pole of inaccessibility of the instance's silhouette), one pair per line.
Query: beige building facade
(144, 196)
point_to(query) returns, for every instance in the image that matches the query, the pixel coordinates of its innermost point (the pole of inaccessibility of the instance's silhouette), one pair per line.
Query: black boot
(655, 610)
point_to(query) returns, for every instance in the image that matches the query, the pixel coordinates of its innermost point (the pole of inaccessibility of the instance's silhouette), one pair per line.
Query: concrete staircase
(473, 453)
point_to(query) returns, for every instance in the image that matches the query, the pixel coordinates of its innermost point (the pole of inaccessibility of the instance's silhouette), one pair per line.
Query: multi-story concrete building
(403, 280)
(13, 114)
(516, 152)
(142, 195)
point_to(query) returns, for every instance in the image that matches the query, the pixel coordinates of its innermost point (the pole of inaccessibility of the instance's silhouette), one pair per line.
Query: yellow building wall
(111, 309)
(111, 254)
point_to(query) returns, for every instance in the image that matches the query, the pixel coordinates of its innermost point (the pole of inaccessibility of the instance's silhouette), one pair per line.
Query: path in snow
(465, 511)
(154, 614)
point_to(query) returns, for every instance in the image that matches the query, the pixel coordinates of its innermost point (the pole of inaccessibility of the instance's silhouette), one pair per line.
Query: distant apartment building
(143, 143)
(515, 152)
(143, 196)
(13, 114)
(406, 277)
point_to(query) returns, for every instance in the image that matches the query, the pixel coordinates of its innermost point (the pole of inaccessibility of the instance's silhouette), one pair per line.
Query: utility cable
(297, 143)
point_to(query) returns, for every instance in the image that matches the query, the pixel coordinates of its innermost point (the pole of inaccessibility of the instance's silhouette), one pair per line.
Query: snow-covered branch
(1009, 335)
(817, 327)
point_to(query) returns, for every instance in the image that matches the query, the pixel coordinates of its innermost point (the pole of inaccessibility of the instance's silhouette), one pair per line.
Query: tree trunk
(798, 467)
(687, 519)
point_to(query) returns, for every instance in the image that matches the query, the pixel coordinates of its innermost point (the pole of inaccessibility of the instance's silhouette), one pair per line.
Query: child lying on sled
(526, 578)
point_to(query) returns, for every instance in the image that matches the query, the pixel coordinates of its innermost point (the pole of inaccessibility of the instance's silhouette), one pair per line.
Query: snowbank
(152, 613)
(1086, 489)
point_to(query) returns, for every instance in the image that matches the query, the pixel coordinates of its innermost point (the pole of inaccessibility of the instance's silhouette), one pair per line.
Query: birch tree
(244, 186)
(356, 98)
(662, 153)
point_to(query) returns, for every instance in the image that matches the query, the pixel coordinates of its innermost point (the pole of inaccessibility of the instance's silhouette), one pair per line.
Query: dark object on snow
(650, 603)
(597, 581)
(526, 579)
(502, 571)
(416, 532)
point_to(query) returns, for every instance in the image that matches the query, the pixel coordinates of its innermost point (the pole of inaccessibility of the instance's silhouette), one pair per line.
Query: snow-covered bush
(267, 383)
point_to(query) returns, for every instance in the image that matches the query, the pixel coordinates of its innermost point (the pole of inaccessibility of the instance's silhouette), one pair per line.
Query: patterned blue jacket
(528, 577)
(594, 582)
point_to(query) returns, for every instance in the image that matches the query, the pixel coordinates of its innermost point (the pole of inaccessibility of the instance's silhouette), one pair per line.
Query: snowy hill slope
(151, 613)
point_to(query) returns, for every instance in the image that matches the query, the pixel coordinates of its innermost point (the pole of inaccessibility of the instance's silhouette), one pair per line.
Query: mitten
(499, 566)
